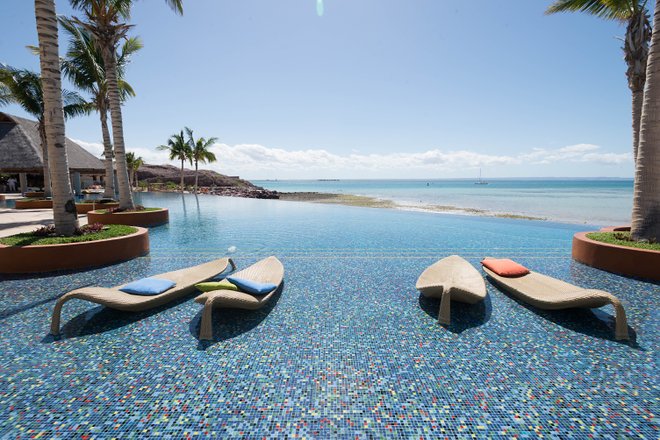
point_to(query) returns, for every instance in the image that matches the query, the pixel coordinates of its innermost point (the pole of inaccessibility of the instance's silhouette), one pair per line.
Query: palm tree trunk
(181, 175)
(637, 102)
(636, 50)
(646, 198)
(109, 187)
(44, 154)
(110, 63)
(196, 175)
(64, 207)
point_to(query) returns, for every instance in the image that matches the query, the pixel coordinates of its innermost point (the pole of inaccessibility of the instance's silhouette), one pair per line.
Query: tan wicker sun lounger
(549, 293)
(268, 270)
(114, 298)
(454, 279)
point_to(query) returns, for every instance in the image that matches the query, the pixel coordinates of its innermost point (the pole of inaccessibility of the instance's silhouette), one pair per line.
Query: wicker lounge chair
(268, 270)
(549, 293)
(114, 298)
(454, 279)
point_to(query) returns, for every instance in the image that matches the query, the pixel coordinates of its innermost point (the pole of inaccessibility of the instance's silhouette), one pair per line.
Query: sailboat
(480, 181)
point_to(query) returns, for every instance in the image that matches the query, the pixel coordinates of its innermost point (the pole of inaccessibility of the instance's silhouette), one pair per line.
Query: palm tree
(646, 198)
(24, 88)
(179, 149)
(83, 66)
(636, 44)
(200, 151)
(105, 20)
(64, 207)
(134, 164)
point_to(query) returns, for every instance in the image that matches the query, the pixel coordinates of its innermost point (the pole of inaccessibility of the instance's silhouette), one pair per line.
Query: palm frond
(22, 87)
(178, 148)
(201, 152)
(619, 10)
(176, 6)
(75, 105)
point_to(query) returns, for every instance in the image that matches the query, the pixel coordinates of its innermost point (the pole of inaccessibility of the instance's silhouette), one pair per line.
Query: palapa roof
(20, 149)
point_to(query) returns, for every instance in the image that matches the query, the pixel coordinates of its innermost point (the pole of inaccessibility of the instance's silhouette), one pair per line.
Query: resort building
(21, 153)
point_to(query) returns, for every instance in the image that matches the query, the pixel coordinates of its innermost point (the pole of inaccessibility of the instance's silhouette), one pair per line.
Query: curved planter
(139, 218)
(35, 194)
(622, 260)
(84, 208)
(34, 204)
(52, 257)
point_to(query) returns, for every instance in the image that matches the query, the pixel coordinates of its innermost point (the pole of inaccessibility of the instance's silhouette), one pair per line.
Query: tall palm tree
(200, 151)
(636, 44)
(646, 198)
(105, 20)
(24, 88)
(64, 207)
(134, 164)
(83, 66)
(179, 149)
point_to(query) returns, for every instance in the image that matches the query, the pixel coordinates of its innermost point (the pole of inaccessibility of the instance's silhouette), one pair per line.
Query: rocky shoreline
(247, 192)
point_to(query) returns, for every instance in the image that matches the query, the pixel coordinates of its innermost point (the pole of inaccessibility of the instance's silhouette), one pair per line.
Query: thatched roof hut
(20, 149)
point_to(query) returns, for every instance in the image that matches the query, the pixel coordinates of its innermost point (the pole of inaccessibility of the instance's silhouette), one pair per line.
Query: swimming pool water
(349, 348)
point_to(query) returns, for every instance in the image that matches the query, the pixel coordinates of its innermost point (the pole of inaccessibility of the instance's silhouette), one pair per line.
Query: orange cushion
(505, 267)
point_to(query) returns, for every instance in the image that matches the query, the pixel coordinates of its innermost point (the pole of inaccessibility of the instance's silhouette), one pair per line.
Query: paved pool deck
(15, 221)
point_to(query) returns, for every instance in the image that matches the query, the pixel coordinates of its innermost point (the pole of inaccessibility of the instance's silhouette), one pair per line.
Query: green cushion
(215, 285)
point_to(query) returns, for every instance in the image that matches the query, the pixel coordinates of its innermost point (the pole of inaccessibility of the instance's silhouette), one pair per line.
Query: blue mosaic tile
(349, 349)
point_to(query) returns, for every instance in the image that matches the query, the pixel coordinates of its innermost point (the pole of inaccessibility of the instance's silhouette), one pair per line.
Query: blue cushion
(252, 287)
(148, 286)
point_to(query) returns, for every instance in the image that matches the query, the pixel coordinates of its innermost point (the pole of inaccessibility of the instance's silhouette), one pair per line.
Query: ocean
(585, 201)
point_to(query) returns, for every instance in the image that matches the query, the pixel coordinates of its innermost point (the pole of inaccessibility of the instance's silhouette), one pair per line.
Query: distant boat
(480, 181)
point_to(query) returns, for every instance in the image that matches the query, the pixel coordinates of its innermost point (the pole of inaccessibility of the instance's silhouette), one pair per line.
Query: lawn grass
(28, 238)
(621, 238)
(105, 211)
(33, 199)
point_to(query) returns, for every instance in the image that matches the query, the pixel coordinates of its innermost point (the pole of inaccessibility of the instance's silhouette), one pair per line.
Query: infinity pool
(349, 349)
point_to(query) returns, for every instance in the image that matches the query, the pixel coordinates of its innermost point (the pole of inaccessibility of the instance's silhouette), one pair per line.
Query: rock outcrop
(210, 181)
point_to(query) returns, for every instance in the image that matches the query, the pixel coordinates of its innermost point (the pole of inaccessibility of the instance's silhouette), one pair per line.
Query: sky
(370, 89)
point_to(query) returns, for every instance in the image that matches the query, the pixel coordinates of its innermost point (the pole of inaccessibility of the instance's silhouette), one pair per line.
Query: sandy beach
(372, 202)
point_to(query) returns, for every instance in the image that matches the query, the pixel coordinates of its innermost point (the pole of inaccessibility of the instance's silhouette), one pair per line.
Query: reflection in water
(183, 204)
(199, 211)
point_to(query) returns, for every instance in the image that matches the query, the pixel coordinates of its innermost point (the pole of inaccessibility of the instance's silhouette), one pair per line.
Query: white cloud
(253, 160)
(150, 155)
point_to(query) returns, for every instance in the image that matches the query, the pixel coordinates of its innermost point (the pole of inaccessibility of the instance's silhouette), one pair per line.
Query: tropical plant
(24, 88)
(179, 149)
(134, 163)
(105, 20)
(646, 197)
(65, 217)
(83, 66)
(200, 152)
(635, 48)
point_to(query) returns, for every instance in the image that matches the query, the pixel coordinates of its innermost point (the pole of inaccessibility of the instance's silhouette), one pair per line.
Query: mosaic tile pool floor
(348, 350)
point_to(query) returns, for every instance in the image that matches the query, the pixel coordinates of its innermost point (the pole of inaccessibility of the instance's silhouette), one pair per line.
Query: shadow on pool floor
(101, 319)
(463, 316)
(591, 322)
(229, 323)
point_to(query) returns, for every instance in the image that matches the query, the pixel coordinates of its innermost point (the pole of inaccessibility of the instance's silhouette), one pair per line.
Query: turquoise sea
(592, 201)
